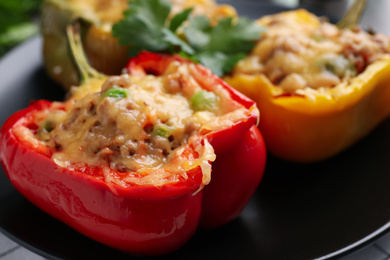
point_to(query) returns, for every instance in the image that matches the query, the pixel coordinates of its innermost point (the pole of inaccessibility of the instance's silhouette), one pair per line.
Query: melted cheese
(120, 134)
(299, 52)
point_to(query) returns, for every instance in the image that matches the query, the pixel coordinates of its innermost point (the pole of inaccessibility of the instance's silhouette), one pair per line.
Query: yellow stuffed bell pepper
(319, 89)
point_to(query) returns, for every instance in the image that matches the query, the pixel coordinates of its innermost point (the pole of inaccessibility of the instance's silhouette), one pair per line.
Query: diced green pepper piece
(46, 127)
(204, 100)
(116, 92)
(337, 64)
(162, 130)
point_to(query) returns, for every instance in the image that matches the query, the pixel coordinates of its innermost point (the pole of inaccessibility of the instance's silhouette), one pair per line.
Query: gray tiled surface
(9, 250)
(380, 250)
(373, 252)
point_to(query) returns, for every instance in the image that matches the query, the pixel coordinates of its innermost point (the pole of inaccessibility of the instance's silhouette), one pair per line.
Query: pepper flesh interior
(150, 135)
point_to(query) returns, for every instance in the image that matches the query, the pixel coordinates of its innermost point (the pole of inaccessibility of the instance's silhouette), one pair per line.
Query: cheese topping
(142, 129)
(299, 52)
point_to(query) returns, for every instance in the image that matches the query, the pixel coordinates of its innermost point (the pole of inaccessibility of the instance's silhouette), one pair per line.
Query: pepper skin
(139, 219)
(299, 129)
(304, 130)
(102, 49)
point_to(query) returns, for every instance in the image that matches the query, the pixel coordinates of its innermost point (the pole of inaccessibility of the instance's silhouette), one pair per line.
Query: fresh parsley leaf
(222, 46)
(147, 26)
(179, 19)
(198, 33)
(188, 56)
(220, 63)
(227, 36)
(142, 26)
(232, 37)
(175, 41)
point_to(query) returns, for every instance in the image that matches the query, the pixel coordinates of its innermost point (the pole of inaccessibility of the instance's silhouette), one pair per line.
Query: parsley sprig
(146, 26)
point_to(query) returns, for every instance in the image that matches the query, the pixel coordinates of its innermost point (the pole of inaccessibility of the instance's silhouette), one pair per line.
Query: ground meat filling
(141, 124)
(295, 53)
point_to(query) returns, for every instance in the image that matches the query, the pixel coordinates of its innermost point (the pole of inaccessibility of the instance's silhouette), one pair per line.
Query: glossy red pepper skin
(140, 219)
(240, 150)
(235, 177)
(144, 220)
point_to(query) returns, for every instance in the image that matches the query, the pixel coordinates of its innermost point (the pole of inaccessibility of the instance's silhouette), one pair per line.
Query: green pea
(115, 93)
(204, 100)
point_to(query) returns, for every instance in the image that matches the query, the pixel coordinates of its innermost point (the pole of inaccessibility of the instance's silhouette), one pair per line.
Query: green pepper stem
(86, 72)
(352, 16)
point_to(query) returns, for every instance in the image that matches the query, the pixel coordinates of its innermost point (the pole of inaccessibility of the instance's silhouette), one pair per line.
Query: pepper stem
(352, 16)
(86, 72)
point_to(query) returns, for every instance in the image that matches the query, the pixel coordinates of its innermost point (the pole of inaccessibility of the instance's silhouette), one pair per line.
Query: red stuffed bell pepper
(127, 160)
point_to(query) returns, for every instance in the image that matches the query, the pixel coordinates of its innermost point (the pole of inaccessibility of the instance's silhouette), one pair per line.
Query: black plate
(311, 211)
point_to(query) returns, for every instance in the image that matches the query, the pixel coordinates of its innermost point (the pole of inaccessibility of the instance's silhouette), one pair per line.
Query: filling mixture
(299, 51)
(144, 130)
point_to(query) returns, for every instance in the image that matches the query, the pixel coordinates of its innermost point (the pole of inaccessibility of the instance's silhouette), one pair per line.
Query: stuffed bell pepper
(102, 49)
(140, 160)
(319, 88)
